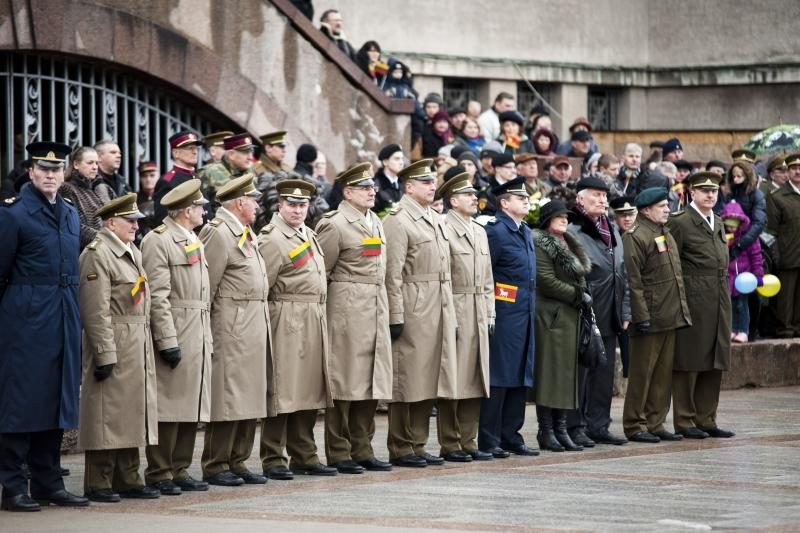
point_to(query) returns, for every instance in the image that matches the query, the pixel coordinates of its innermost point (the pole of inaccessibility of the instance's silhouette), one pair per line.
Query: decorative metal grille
(457, 92)
(602, 109)
(80, 103)
(527, 100)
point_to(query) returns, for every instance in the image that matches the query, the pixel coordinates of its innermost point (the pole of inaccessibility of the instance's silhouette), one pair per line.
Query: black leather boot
(560, 423)
(545, 436)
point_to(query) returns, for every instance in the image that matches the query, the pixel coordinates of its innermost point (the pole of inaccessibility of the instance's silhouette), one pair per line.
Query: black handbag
(591, 352)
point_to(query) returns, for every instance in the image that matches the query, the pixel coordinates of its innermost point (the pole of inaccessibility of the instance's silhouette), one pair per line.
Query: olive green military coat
(706, 344)
(180, 317)
(473, 300)
(783, 221)
(420, 297)
(239, 321)
(655, 277)
(360, 358)
(121, 411)
(298, 373)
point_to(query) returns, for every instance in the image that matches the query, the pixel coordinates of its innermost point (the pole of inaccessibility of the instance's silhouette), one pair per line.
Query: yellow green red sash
(371, 246)
(138, 290)
(300, 255)
(193, 252)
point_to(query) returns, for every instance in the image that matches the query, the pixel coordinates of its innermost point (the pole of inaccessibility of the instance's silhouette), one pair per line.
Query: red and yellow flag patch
(371, 246)
(661, 243)
(505, 293)
(246, 241)
(301, 255)
(138, 290)
(193, 252)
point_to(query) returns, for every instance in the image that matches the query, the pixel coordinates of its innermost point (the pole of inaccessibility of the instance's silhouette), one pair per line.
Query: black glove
(642, 327)
(491, 329)
(734, 251)
(103, 372)
(586, 299)
(171, 356)
(395, 330)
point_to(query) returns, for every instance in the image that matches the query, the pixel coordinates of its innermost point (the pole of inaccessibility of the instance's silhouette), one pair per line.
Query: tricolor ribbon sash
(246, 241)
(371, 246)
(661, 243)
(505, 293)
(729, 239)
(138, 290)
(300, 255)
(193, 252)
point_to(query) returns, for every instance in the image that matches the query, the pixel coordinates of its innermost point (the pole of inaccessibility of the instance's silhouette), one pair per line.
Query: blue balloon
(745, 283)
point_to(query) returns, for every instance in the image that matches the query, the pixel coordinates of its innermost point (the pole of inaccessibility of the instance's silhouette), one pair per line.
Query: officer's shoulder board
(161, 229)
(676, 214)
(93, 245)
(10, 201)
(492, 221)
(395, 210)
(329, 214)
(67, 200)
(215, 222)
(267, 229)
(633, 228)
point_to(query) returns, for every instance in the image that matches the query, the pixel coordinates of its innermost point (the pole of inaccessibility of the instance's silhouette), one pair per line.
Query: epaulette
(677, 213)
(329, 214)
(10, 201)
(161, 229)
(268, 228)
(633, 228)
(215, 222)
(492, 220)
(67, 200)
(395, 210)
(93, 245)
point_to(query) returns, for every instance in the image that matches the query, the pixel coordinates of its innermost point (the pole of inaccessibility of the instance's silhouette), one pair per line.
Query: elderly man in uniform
(241, 331)
(658, 309)
(473, 298)
(702, 351)
(179, 316)
(608, 286)
(511, 346)
(421, 316)
(298, 373)
(118, 396)
(236, 161)
(184, 147)
(360, 362)
(41, 357)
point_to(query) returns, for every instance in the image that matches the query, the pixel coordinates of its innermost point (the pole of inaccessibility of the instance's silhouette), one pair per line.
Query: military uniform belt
(347, 278)
(63, 280)
(129, 319)
(308, 298)
(433, 276)
(467, 290)
(189, 304)
(260, 297)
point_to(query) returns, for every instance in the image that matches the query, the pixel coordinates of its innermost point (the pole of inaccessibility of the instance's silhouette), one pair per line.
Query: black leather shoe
(62, 498)
(431, 459)
(191, 484)
(480, 455)
(280, 473)
(523, 449)
(410, 460)
(21, 503)
(580, 438)
(644, 436)
(251, 478)
(498, 453)
(167, 488)
(693, 433)
(457, 456)
(318, 469)
(718, 433)
(607, 438)
(348, 467)
(375, 465)
(224, 479)
(667, 436)
(140, 493)
(103, 496)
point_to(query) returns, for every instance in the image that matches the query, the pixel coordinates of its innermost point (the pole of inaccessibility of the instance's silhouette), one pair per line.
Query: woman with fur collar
(561, 267)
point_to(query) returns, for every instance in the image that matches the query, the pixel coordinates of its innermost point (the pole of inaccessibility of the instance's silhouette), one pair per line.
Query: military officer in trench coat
(422, 320)
(297, 366)
(473, 299)
(240, 328)
(702, 351)
(360, 360)
(178, 275)
(658, 309)
(118, 397)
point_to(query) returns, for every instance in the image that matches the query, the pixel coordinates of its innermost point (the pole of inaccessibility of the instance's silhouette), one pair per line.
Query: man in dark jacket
(608, 286)
(109, 161)
(185, 149)
(41, 334)
(702, 351)
(511, 345)
(331, 23)
(658, 308)
(390, 189)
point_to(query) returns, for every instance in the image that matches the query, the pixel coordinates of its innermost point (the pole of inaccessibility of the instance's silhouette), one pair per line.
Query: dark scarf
(601, 223)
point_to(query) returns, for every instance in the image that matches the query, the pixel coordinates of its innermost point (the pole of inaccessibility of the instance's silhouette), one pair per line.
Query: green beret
(650, 196)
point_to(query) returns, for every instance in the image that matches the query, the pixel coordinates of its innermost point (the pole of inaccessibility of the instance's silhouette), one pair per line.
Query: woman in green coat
(561, 264)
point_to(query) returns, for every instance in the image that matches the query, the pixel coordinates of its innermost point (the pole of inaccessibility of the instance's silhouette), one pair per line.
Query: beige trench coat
(420, 297)
(179, 317)
(121, 411)
(473, 297)
(239, 322)
(360, 359)
(298, 366)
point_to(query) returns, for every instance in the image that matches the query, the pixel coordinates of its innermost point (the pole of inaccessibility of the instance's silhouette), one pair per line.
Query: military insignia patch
(482, 204)
(91, 277)
(161, 229)
(505, 293)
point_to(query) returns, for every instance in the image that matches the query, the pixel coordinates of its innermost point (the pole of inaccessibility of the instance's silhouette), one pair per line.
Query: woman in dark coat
(561, 265)
(79, 190)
